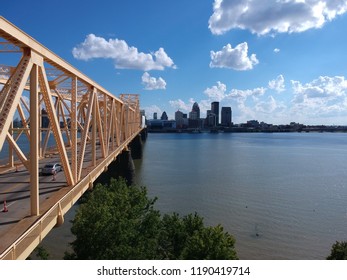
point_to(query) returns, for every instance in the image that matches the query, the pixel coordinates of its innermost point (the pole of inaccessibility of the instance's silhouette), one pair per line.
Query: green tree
(40, 252)
(116, 222)
(338, 251)
(188, 238)
(119, 222)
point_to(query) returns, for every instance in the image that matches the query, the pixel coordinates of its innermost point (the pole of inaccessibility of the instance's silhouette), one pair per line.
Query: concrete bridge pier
(144, 134)
(136, 147)
(127, 166)
(123, 166)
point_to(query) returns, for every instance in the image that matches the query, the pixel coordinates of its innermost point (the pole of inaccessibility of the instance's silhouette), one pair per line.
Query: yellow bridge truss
(84, 118)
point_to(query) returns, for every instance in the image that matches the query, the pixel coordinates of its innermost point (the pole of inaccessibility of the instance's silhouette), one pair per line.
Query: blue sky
(276, 61)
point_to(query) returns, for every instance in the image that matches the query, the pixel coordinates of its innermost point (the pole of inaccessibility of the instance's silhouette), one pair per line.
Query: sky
(276, 61)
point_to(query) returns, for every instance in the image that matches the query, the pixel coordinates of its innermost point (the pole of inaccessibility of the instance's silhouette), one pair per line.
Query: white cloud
(243, 94)
(236, 58)
(324, 87)
(320, 97)
(265, 16)
(276, 50)
(152, 83)
(150, 110)
(124, 57)
(179, 104)
(277, 84)
(216, 93)
(269, 106)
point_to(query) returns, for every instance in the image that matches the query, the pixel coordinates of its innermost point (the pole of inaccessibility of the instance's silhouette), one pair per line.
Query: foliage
(188, 238)
(338, 251)
(117, 222)
(41, 253)
(120, 222)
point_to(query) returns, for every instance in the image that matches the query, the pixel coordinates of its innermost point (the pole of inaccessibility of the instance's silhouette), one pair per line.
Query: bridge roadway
(17, 226)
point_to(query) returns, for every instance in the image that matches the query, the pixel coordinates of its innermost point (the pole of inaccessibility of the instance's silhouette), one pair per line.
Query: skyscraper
(194, 116)
(164, 116)
(226, 116)
(179, 119)
(196, 109)
(215, 110)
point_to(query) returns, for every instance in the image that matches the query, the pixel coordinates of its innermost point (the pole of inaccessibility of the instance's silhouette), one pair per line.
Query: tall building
(164, 116)
(226, 116)
(196, 109)
(155, 116)
(194, 116)
(179, 119)
(215, 110)
(211, 119)
(44, 118)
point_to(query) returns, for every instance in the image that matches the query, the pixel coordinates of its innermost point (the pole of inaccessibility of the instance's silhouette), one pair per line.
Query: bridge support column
(127, 165)
(136, 147)
(144, 134)
(123, 167)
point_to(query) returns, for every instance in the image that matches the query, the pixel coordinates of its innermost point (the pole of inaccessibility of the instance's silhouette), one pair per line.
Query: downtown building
(226, 116)
(215, 112)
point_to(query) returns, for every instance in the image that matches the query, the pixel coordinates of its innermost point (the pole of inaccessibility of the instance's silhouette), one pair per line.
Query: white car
(51, 168)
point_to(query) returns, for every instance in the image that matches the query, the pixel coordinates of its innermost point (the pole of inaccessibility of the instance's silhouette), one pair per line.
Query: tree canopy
(338, 251)
(118, 221)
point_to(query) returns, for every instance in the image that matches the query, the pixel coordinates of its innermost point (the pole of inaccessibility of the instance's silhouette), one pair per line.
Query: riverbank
(272, 129)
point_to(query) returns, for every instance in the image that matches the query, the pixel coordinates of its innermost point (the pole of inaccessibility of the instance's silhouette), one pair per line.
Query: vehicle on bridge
(52, 168)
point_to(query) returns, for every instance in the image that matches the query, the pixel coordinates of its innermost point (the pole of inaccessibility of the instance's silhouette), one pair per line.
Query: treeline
(117, 221)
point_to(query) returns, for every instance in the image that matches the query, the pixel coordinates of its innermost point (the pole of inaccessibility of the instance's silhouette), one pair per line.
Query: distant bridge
(44, 100)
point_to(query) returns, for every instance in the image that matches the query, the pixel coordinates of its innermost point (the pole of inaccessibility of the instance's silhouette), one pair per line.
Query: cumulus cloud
(323, 87)
(124, 56)
(321, 96)
(264, 16)
(179, 104)
(152, 83)
(276, 50)
(277, 84)
(269, 105)
(244, 94)
(150, 110)
(216, 93)
(235, 58)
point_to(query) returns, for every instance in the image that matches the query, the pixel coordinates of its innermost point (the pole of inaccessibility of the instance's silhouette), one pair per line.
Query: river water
(282, 196)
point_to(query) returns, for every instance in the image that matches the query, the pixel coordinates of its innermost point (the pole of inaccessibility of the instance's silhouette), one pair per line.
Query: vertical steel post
(94, 130)
(73, 127)
(10, 150)
(34, 142)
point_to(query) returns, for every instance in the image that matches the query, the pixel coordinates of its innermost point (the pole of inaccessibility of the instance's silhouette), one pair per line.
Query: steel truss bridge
(49, 98)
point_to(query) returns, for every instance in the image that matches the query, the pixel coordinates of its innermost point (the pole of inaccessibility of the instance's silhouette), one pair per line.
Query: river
(281, 195)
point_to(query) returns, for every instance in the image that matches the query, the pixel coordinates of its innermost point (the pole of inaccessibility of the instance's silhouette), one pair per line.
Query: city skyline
(276, 61)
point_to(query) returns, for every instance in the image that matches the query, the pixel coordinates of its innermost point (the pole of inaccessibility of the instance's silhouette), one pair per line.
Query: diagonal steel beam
(11, 93)
(45, 90)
